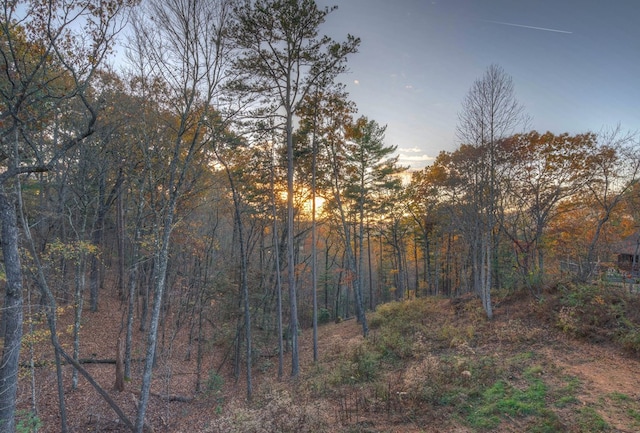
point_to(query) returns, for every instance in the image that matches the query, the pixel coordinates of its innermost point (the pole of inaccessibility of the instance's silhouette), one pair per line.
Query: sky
(575, 64)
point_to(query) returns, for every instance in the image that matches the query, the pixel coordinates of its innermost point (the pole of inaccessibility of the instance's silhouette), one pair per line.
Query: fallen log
(46, 363)
(173, 397)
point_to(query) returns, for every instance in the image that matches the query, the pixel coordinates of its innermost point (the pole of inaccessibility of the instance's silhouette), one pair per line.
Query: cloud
(410, 149)
(416, 158)
(415, 162)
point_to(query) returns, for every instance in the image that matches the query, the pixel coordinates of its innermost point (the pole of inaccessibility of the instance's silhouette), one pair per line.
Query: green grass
(624, 405)
(503, 399)
(590, 421)
(565, 396)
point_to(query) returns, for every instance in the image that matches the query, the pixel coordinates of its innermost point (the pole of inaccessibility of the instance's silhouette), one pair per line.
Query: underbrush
(599, 314)
(437, 361)
(424, 357)
(276, 411)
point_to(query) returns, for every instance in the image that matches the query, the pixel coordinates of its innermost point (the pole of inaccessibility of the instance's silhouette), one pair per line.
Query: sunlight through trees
(222, 190)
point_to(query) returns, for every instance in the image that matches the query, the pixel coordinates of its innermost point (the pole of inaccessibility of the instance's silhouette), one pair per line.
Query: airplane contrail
(529, 27)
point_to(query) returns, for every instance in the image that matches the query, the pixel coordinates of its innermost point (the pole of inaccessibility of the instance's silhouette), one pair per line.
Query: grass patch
(503, 399)
(623, 408)
(590, 421)
(526, 399)
(634, 414)
(565, 395)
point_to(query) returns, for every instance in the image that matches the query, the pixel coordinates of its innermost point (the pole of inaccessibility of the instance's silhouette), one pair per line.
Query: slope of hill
(568, 363)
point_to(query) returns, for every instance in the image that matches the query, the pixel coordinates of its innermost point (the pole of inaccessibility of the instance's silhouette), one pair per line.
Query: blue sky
(575, 64)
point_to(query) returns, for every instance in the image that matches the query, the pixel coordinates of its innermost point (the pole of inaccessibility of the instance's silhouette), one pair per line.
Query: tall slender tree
(244, 284)
(490, 113)
(282, 59)
(371, 169)
(180, 46)
(323, 114)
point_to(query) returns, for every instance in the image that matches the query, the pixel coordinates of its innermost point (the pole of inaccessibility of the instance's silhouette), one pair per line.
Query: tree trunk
(94, 273)
(119, 383)
(79, 302)
(291, 258)
(159, 271)
(12, 312)
(131, 298)
(487, 280)
(588, 270)
(359, 281)
(121, 227)
(372, 304)
(199, 349)
(50, 309)
(314, 252)
(276, 254)
(244, 284)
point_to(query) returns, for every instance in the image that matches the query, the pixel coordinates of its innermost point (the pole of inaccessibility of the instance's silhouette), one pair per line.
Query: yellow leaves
(148, 243)
(60, 309)
(70, 328)
(72, 250)
(39, 334)
(35, 337)
(597, 300)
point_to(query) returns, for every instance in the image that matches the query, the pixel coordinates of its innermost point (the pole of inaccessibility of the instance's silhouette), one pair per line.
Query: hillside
(567, 363)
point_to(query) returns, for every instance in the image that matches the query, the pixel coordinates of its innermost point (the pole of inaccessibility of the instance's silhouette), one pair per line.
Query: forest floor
(458, 372)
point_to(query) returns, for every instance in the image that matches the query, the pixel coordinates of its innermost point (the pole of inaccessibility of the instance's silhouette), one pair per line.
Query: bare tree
(490, 112)
(239, 226)
(179, 48)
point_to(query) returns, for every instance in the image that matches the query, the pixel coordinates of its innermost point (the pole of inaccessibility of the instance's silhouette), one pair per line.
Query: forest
(200, 162)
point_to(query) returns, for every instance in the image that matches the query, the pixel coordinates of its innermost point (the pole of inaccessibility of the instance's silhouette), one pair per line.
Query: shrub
(600, 314)
(214, 388)
(392, 345)
(276, 413)
(215, 382)
(367, 364)
(324, 316)
(363, 365)
(456, 336)
(27, 422)
(630, 340)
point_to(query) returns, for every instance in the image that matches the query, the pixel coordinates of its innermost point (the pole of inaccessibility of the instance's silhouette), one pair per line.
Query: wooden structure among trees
(628, 251)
